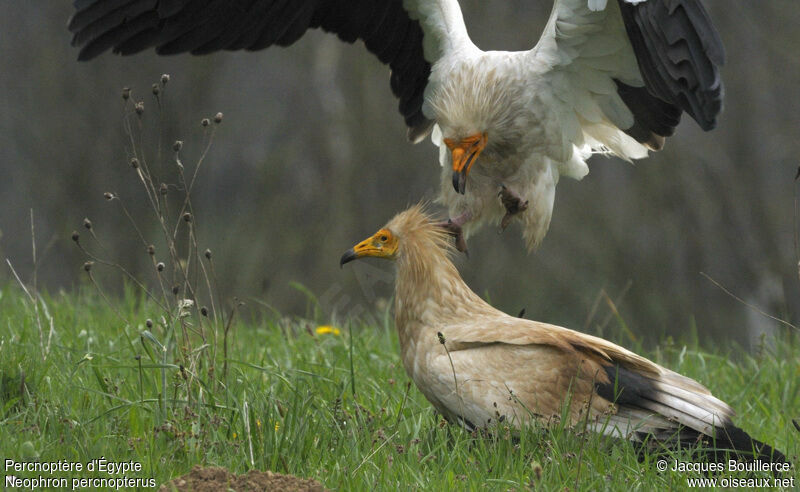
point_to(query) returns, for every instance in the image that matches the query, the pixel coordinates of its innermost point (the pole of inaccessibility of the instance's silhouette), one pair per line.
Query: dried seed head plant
(192, 322)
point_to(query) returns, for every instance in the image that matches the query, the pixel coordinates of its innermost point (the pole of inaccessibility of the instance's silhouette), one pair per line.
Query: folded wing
(628, 395)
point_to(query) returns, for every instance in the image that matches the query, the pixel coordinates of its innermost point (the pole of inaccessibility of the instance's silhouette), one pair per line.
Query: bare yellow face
(382, 244)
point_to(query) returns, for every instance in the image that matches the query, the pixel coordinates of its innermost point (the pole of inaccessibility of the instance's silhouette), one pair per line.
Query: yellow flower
(277, 426)
(258, 423)
(326, 329)
(234, 435)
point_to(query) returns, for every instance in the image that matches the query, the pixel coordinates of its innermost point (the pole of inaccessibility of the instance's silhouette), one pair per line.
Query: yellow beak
(382, 244)
(465, 153)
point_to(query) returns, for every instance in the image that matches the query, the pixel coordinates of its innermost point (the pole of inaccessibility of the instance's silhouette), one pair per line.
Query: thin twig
(225, 341)
(402, 404)
(352, 370)
(583, 437)
(373, 453)
(615, 312)
(613, 303)
(754, 308)
(796, 233)
(33, 251)
(25, 289)
(130, 218)
(52, 326)
(246, 415)
(123, 270)
(189, 186)
(142, 172)
(442, 341)
(106, 299)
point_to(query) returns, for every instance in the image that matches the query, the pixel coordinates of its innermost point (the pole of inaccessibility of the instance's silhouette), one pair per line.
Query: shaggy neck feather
(428, 286)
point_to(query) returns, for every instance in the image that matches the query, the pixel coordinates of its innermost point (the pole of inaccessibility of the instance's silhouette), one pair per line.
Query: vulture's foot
(514, 204)
(454, 227)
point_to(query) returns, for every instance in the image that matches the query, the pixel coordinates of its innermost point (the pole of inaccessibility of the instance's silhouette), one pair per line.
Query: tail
(674, 412)
(730, 442)
(732, 438)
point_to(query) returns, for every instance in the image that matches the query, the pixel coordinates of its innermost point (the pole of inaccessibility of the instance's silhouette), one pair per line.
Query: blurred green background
(312, 157)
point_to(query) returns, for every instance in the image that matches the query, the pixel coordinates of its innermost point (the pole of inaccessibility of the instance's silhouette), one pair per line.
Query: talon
(461, 244)
(513, 204)
(453, 226)
(506, 221)
(455, 230)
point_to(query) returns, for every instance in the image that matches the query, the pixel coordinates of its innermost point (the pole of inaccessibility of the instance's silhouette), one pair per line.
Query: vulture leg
(513, 203)
(453, 226)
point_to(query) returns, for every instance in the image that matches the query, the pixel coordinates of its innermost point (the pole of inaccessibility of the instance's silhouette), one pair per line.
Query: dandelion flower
(327, 329)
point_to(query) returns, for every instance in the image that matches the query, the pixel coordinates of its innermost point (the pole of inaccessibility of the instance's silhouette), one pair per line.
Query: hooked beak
(347, 257)
(382, 244)
(465, 152)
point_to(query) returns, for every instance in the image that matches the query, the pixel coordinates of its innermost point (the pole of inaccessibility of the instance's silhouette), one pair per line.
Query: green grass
(288, 395)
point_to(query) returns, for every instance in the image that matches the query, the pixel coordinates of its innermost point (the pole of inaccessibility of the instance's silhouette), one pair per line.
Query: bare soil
(212, 479)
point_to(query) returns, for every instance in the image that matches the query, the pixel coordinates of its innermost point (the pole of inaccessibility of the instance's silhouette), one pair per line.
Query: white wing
(618, 75)
(443, 25)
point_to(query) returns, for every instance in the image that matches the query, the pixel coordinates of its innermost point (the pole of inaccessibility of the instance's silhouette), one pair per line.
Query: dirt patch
(212, 479)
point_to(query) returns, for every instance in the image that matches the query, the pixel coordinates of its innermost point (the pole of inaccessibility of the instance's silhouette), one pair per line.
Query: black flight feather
(205, 26)
(627, 388)
(679, 53)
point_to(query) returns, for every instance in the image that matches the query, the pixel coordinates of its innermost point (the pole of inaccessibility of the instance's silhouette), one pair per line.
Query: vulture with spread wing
(607, 76)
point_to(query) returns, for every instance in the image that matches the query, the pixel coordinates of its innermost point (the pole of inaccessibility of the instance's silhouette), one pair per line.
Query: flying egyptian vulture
(479, 366)
(607, 76)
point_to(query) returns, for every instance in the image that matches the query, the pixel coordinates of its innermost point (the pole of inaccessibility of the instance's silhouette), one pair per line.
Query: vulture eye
(384, 238)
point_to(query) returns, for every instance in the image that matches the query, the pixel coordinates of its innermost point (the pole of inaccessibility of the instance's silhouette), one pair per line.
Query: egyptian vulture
(606, 76)
(479, 366)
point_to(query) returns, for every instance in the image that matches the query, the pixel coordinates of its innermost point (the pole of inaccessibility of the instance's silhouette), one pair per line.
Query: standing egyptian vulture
(478, 365)
(607, 76)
